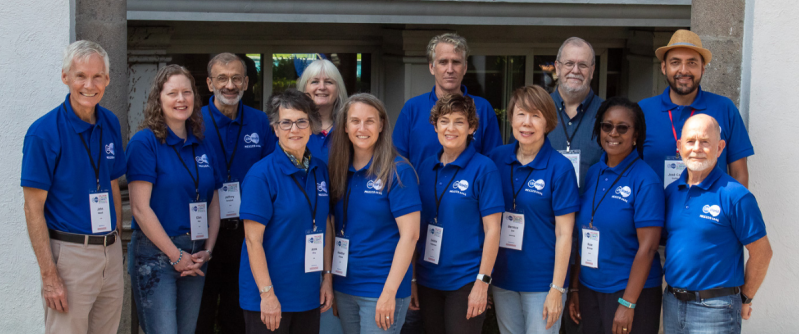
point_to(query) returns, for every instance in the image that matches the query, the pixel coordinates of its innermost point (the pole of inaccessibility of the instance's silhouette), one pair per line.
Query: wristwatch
(553, 286)
(745, 299)
(485, 278)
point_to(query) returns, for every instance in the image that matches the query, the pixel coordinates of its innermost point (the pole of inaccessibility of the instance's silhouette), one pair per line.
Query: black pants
(220, 301)
(598, 310)
(445, 311)
(290, 322)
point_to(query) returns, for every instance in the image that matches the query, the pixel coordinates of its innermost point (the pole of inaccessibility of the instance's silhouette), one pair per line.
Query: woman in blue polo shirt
(619, 223)
(322, 81)
(541, 196)
(461, 210)
(174, 203)
(376, 220)
(284, 206)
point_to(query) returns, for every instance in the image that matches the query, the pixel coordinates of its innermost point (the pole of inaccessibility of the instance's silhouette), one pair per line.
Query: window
(355, 69)
(494, 78)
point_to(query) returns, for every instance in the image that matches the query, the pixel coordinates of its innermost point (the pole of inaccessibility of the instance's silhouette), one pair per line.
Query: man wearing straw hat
(683, 63)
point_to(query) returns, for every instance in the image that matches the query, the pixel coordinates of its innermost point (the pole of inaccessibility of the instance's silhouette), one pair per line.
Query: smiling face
(177, 99)
(616, 144)
(448, 67)
(575, 68)
(294, 139)
(683, 69)
(322, 90)
(228, 82)
(453, 131)
(529, 127)
(87, 79)
(700, 144)
(363, 126)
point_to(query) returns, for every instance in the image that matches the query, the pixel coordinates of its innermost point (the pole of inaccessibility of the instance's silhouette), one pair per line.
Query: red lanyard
(674, 131)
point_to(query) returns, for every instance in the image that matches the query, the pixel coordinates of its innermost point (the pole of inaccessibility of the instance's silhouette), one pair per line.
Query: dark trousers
(290, 322)
(413, 322)
(445, 311)
(598, 310)
(220, 301)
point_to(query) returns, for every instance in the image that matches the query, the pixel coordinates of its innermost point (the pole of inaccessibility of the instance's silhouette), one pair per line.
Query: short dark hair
(456, 103)
(226, 58)
(639, 125)
(294, 99)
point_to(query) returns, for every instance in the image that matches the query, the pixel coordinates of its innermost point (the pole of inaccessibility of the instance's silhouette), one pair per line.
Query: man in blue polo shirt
(239, 136)
(414, 136)
(710, 218)
(577, 106)
(71, 164)
(683, 63)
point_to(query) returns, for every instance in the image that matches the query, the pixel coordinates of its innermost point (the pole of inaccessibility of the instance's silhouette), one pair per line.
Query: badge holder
(574, 157)
(672, 169)
(100, 208)
(229, 200)
(341, 255)
(198, 213)
(435, 235)
(589, 254)
(512, 232)
(314, 250)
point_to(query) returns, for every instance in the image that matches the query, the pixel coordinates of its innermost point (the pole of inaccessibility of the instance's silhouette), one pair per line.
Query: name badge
(574, 157)
(512, 233)
(198, 213)
(229, 200)
(589, 256)
(341, 256)
(100, 207)
(314, 252)
(672, 170)
(432, 249)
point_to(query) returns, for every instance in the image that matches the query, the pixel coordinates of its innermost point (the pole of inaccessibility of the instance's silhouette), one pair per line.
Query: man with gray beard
(240, 136)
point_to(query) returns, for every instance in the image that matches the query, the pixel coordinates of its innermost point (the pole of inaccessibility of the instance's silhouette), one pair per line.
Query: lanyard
(222, 144)
(570, 138)
(196, 170)
(316, 199)
(347, 204)
(520, 188)
(89, 152)
(435, 191)
(674, 131)
(595, 207)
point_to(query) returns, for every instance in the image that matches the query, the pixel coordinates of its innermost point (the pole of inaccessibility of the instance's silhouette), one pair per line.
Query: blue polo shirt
(372, 229)
(319, 145)
(475, 192)
(152, 161)
(548, 189)
(660, 143)
(580, 129)
(416, 139)
(54, 159)
(634, 202)
(249, 135)
(270, 197)
(707, 227)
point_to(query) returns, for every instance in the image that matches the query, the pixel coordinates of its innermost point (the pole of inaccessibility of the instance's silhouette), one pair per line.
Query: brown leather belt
(687, 295)
(105, 240)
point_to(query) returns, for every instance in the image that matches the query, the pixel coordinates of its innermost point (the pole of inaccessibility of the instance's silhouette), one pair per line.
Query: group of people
(245, 220)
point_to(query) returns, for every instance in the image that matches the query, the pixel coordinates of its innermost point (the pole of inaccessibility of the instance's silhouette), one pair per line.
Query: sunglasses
(608, 128)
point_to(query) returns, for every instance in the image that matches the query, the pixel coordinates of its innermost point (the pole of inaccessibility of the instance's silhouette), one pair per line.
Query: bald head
(700, 144)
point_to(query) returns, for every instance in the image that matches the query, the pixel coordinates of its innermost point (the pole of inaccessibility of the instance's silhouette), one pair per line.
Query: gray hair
(294, 99)
(577, 41)
(328, 68)
(81, 50)
(450, 38)
(225, 58)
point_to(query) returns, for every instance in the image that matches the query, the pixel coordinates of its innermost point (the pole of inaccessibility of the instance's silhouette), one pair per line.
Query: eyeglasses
(223, 79)
(286, 125)
(569, 65)
(620, 128)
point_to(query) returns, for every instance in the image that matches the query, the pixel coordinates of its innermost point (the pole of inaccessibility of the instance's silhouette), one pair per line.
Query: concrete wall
(775, 166)
(34, 35)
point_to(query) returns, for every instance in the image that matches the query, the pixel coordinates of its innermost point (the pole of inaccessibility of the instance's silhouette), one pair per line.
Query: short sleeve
(120, 160)
(142, 159)
(739, 145)
(256, 198)
(747, 221)
(219, 177)
(491, 137)
(403, 197)
(565, 194)
(491, 199)
(39, 160)
(650, 206)
(270, 140)
(401, 129)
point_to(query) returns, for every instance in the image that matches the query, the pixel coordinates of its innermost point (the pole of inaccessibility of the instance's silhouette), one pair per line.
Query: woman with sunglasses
(619, 226)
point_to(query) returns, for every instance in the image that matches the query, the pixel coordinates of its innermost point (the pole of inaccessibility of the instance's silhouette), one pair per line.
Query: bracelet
(327, 272)
(210, 254)
(265, 289)
(573, 290)
(553, 286)
(413, 280)
(626, 303)
(179, 258)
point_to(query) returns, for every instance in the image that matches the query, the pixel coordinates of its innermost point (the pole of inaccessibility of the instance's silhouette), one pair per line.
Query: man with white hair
(710, 218)
(71, 165)
(240, 136)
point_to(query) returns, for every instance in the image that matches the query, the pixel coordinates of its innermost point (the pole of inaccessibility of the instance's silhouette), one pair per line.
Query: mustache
(680, 76)
(575, 76)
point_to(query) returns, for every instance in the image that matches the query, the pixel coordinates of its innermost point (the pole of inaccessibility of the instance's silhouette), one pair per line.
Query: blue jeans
(520, 312)
(166, 303)
(329, 323)
(707, 316)
(357, 314)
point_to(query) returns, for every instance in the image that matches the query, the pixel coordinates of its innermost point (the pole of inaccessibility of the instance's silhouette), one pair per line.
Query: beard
(218, 95)
(683, 90)
(570, 89)
(699, 166)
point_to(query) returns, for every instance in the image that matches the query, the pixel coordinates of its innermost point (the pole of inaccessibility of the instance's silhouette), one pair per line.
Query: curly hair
(456, 103)
(154, 112)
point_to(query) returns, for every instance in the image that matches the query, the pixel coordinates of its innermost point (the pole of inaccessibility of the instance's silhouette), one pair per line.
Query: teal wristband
(626, 303)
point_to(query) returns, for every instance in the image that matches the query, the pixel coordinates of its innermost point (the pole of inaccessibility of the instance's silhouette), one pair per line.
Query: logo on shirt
(376, 184)
(322, 188)
(462, 185)
(109, 149)
(535, 186)
(202, 159)
(714, 210)
(624, 191)
(252, 139)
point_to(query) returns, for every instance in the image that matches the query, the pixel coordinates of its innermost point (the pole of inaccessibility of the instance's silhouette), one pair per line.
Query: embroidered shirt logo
(321, 187)
(624, 191)
(202, 159)
(376, 184)
(462, 185)
(713, 210)
(252, 139)
(109, 149)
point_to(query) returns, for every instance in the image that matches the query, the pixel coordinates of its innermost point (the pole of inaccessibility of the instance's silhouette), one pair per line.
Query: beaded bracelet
(179, 258)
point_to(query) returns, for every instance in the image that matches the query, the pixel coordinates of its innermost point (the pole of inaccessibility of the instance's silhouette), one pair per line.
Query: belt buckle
(683, 294)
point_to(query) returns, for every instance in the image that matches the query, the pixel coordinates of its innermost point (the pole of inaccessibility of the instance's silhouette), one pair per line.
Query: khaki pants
(92, 275)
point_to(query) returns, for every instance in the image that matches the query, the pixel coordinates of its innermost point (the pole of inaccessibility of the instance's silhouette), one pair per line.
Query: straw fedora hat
(685, 39)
